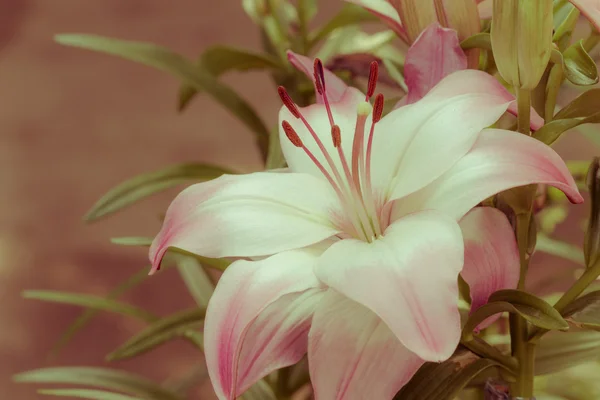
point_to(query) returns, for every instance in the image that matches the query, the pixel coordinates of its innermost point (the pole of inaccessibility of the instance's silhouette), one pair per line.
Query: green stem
(589, 276)
(524, 110)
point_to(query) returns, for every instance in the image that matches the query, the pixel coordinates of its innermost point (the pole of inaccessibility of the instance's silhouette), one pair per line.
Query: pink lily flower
(358, 245)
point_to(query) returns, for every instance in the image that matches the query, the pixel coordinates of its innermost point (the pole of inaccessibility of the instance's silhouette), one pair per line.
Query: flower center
(353, 183)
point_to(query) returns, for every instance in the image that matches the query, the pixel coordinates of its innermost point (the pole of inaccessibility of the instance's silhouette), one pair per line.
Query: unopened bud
(416, 15)
(521, 36)
(591, 244)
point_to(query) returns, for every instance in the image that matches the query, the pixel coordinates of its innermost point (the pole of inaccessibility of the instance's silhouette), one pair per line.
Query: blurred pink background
(74, 124)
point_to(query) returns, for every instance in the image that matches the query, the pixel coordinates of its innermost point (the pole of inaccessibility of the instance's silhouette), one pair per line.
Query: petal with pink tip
(491, 256)
(354, 355)
(417, 143)
(386, 12)
(258, 319)
(248, 215)
(498, 161)
(591, 10)
(434, 55)
(408, 277)
(335, 88)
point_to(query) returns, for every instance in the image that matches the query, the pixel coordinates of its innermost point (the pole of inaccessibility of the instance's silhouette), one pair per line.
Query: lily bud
(521, 36)
(591, 244)
(416, 15)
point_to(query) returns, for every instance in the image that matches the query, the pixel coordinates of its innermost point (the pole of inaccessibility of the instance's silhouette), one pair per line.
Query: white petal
(498, 161)
(417, 143)
(258, 319)
(354, 355)
(408, 277)
(248, 215)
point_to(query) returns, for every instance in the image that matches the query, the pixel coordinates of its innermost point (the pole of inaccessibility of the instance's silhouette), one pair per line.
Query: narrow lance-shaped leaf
(558, 351)
(161, 331)
(536, 307)
(197, 281)
(142, 186)
(218, 60)
(91, 394)
(177, 65)
(585, 311)
(90, 313)
(584, 105)
(443, 381)
(88, 301)
(101, 378)
(550, 132)
(560, 249)
(580, 68)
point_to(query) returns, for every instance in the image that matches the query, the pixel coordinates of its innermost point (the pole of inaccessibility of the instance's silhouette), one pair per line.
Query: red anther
(319, 76)
(291, 134)
(288, 102)
(373, 75)
(336, 135)
(378, 108)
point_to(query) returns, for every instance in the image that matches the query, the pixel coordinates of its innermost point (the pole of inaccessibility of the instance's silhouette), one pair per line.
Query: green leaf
(161, 331)
(443, 381)
(259, 391)
(550, 132)
(86, 394)
(534, 309)
(584, 105)
(307, 9)
(196, 279)
(177, 65)
(88, 301)
(132, 241)
(350, 14)
(477, 41)
(580, 68)
(559, 249)
(218, 60)
(585, 311)
(142, 186)
(88, 314)
(99, 377)
(559, 351)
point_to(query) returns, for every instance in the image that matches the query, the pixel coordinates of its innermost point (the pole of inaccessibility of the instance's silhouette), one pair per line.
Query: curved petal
(498, 161)
(386, 12)
(258, 319)
(408, 278)
(491, 256)
(591, 10)
(354, 355)
(434, 55)
(415, 144)
(248, 215)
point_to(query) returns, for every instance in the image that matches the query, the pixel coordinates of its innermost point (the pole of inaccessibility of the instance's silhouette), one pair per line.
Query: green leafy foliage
(177, 65)
(147, 184)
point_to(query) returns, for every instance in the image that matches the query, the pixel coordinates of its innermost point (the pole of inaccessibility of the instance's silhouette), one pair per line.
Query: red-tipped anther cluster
(373, 75)
(291, 134)
(288, 102)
